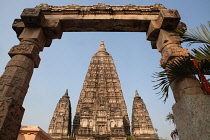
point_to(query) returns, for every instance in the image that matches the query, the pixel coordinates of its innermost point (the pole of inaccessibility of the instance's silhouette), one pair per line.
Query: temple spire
(102, 47)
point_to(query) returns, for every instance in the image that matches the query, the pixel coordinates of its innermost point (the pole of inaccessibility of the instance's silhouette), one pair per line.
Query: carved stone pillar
(15, 80)
(191, 110)
(34, 32)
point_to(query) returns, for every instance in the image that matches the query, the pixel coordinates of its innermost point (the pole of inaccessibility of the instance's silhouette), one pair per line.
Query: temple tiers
(101, 112)
(142, 128)
(60, 125)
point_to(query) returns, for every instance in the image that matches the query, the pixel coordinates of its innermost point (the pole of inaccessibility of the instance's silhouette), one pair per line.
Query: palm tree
(198, 63)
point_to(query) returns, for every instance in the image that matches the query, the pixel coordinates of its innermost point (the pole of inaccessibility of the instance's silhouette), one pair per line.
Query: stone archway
(40, 25)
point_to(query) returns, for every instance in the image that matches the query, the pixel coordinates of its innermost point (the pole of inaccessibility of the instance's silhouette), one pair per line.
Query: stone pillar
(34, 32)
(15, 80)
(191, 103)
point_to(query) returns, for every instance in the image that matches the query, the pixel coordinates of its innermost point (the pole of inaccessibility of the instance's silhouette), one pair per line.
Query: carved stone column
(191, 110)
(34, 32)
(15, 80)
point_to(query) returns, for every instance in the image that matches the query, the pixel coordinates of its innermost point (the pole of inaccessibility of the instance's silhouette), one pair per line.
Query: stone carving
(171, 52)
(102, 7)
(141, 123)
(29, 50)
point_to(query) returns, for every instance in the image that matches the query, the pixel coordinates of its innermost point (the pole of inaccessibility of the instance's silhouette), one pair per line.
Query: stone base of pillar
(11, 115)
(192, 117)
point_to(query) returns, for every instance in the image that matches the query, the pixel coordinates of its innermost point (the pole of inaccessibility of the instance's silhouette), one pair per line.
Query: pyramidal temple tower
(142, 128)
(60, 125)
(101, 112)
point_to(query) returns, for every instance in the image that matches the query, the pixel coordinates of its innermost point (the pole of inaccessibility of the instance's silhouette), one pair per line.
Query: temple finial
(102, 47)
(137, 94)
(66, 93)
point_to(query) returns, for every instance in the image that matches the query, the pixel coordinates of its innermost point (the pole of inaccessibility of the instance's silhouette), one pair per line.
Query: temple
(101, 112)
(60, 125)
(142, 128)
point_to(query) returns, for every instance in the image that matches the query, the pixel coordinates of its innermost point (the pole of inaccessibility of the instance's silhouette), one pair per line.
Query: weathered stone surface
(169, 19)
(15, 80)
(11, 115)
(142, 128)
(153, 30)
(52, 28)
(171, 52)
(32, 17)
(188, 85)
(192, 117)
(168, 37)
(18, 26)
(29, 50)
(60, 125)
(34, 35)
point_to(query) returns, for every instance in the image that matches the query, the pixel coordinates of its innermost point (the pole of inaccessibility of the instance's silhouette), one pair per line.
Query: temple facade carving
(142, 128)
(101, 111)
(60, 124)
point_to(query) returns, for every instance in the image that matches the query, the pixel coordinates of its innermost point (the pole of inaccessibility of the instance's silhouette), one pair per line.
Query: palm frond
(177, 68)
(201, 53)
(198, 35)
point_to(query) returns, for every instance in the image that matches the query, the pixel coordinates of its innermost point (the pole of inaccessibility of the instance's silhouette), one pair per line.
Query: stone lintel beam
(153, 30)
(52, 28)
(32, 17)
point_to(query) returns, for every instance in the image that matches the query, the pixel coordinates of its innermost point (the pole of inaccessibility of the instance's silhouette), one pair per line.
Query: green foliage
(170, 117)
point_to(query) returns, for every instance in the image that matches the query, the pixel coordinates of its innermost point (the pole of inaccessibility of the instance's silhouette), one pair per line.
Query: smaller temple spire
(66, 93)
(102, 47)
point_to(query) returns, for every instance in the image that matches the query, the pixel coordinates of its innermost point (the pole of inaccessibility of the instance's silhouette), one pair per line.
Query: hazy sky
(65, 63)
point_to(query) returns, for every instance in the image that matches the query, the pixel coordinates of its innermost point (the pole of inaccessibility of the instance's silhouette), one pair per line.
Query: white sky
(65, 63)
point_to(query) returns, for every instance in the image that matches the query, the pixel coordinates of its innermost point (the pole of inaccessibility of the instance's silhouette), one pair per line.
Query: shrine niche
(40, 25)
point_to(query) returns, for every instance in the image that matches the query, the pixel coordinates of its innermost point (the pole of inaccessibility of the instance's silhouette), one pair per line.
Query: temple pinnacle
(137, 94)
(66, 93)
(102, 47)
